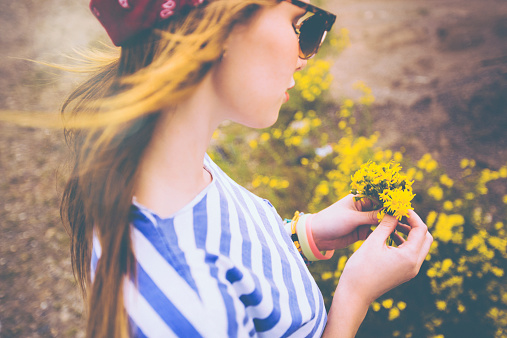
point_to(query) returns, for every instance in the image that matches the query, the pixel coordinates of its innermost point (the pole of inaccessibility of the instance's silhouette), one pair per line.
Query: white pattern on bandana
(124, 3)
(167, 9)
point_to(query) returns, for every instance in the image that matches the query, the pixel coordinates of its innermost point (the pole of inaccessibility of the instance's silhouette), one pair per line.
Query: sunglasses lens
(311, 35)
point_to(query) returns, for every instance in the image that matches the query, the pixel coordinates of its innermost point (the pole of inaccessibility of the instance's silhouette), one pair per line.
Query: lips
(291, 85)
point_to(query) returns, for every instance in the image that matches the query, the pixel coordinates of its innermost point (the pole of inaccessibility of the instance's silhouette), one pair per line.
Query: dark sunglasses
(311, 28)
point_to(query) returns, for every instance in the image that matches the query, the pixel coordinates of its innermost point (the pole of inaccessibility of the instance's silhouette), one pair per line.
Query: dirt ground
(438, 70)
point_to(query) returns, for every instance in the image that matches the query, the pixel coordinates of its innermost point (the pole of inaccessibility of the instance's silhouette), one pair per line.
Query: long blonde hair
(110, 119)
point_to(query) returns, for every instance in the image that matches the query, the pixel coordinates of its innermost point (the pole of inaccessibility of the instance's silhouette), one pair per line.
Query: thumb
(385, 228)
(368, 217)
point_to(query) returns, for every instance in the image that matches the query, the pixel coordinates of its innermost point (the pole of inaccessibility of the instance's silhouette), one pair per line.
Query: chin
(261, 120)
(266, 123)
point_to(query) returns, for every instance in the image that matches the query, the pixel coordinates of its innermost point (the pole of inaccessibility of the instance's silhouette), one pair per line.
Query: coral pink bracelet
(311, 242)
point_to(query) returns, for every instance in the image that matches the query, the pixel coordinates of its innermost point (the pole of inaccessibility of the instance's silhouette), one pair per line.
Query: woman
(163, 242)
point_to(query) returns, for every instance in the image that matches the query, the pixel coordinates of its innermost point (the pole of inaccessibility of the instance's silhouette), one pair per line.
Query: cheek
(271, 59)
(278, 49)
(257, 69)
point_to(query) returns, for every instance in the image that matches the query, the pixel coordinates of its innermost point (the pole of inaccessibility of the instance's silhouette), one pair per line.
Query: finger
(417, 234)
(385, 228)
(425, 248)
(369, 233)
(398, 240)
(363, 232)
(365, 204)
(403, 228)
(367, 217)
(360, 234)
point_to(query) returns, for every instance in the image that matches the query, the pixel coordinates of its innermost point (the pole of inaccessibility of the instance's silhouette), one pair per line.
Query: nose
(301, 64)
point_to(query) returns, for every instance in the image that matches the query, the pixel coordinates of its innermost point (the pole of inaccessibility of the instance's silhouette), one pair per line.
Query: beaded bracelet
(290, 227)
(300, 230)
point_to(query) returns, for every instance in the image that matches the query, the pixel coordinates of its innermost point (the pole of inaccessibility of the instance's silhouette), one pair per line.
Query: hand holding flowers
(377, 267)
(385, 187)
(374, 269)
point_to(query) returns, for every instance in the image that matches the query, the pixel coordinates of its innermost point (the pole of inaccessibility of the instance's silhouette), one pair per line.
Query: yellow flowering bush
(306, 161)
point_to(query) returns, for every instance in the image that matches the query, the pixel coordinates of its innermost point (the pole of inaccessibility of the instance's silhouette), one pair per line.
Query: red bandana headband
(124, 19)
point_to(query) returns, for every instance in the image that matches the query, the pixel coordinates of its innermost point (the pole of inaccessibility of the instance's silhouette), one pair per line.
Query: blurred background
(420, 82)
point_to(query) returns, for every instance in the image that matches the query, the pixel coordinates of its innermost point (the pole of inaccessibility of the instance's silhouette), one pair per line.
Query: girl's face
(257, 69)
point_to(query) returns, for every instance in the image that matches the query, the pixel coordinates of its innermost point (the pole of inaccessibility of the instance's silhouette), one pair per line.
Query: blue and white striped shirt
(222, 266)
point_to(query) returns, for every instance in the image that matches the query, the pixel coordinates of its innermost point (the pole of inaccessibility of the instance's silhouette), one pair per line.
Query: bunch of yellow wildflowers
(385, 187)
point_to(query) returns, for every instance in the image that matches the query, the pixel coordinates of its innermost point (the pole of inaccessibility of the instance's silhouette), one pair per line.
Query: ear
(224, 52)
(226, 43)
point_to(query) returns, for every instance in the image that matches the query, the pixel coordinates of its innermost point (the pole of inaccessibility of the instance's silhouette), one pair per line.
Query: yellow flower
(448, 205)
(436, 192)
(322, 189)
(341, 263)
(316, 122)
(385, 186)
(284, 184)
(398, 202)
(503, 172)
(253, 144)
(427, 162)
(498, 243)
(464, 163)
(387, 303)
(445, 180)
(394, 313)
(348, 103)
(441, 305)
(277, 133)
(298, 115)
(327, 275)
(497, 271)
(449, 228)
(295, 140)
(344, 113)
(432, 216)
(273, 183)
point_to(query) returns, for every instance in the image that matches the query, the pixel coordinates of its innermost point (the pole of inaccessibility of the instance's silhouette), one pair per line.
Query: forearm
(346, 314)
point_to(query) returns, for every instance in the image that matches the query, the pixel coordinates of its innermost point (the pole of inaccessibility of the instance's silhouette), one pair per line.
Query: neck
(171, 171)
